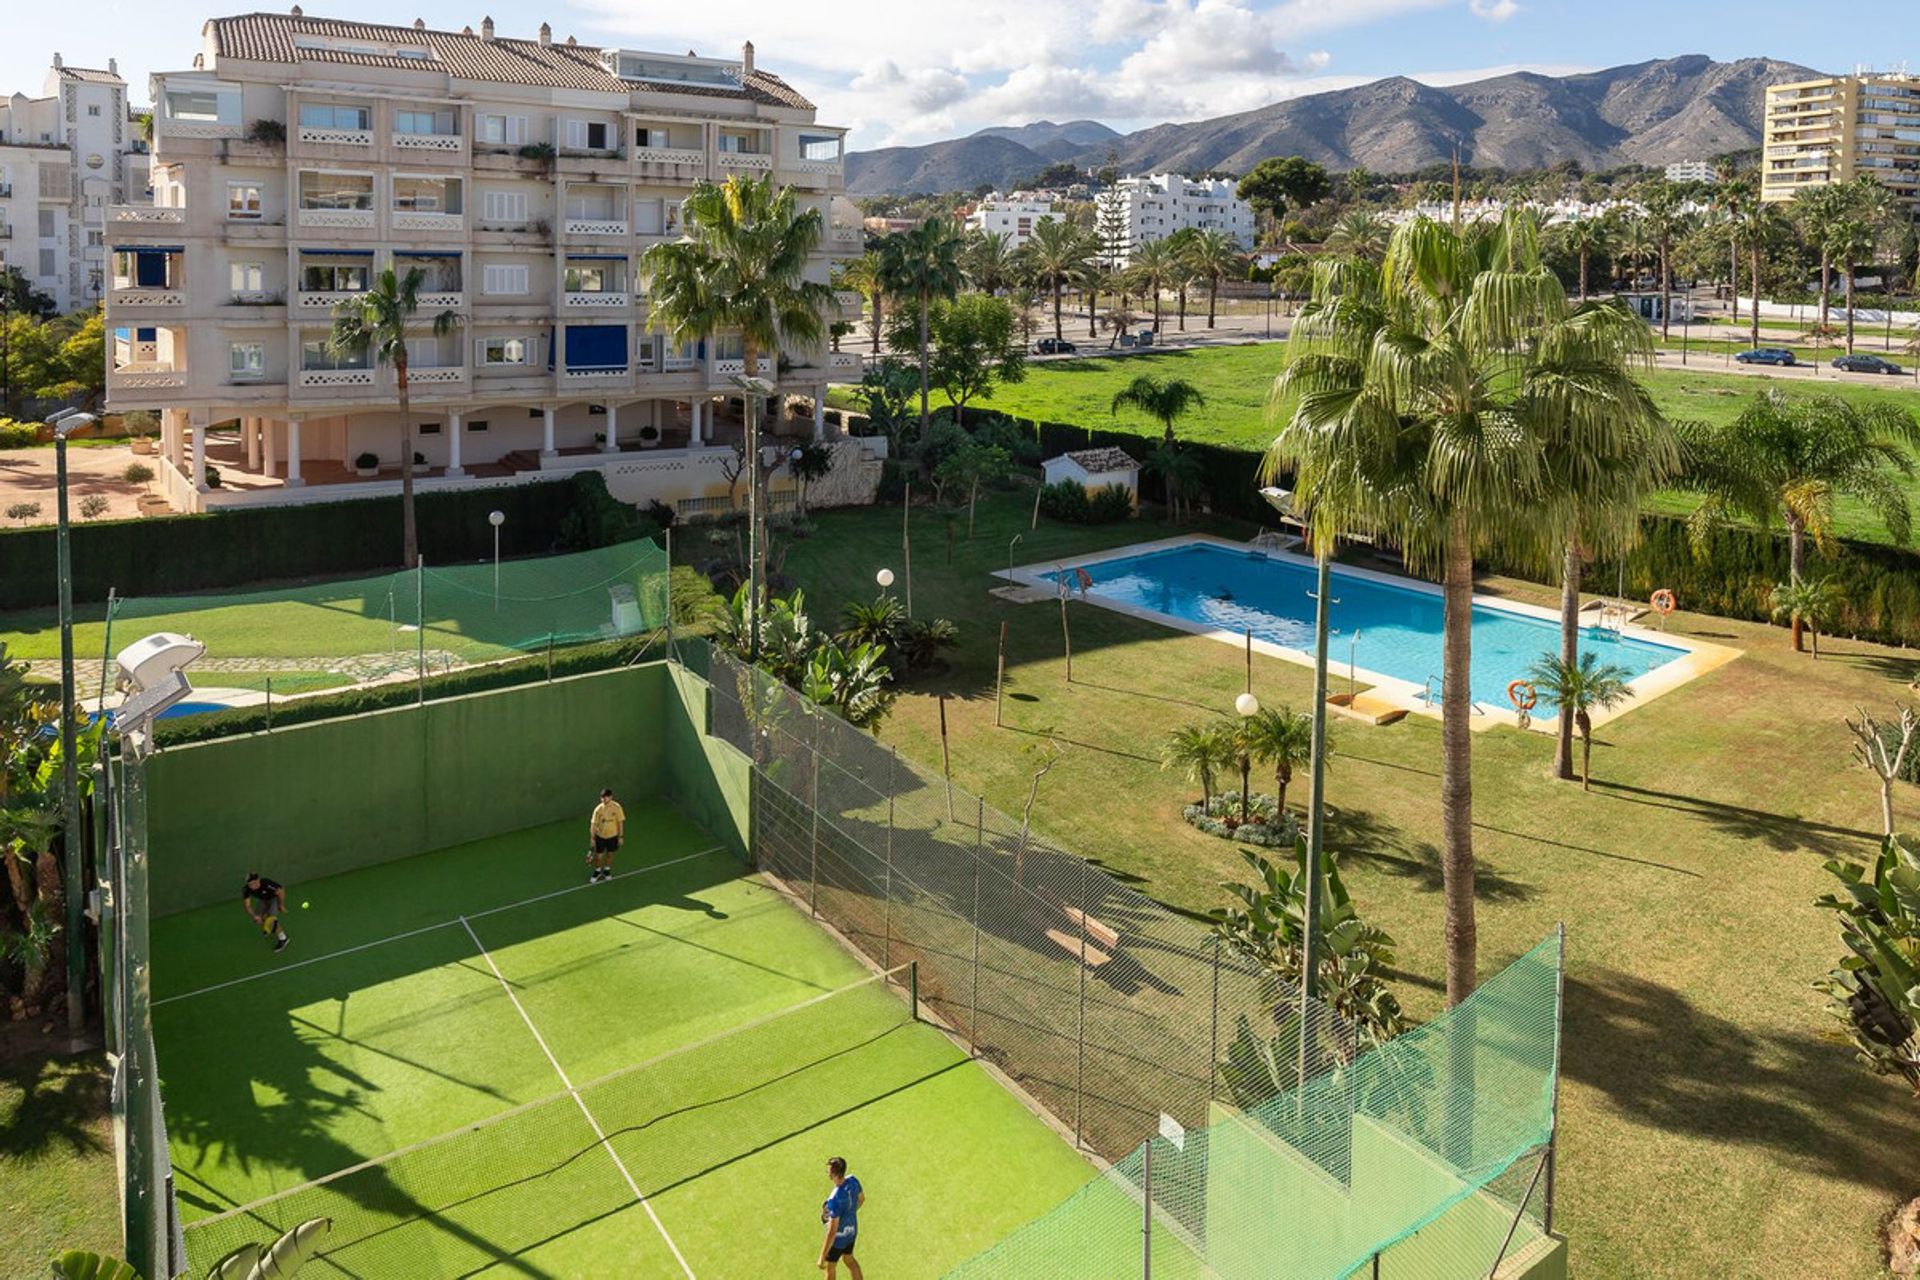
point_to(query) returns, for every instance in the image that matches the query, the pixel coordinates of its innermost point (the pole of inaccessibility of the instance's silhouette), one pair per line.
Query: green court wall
(709, 778)
(335, 795)
(1272, 1213)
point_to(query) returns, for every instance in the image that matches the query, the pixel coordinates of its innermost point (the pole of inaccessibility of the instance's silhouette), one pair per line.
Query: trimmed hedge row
(259, 544)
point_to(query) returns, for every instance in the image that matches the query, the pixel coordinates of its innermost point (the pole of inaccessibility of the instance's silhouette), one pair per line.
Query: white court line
(414, 933)
(580, 1102)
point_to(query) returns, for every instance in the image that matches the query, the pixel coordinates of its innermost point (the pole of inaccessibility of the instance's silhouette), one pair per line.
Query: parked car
(1766, 355)
(1866, 364)
(1054, 347)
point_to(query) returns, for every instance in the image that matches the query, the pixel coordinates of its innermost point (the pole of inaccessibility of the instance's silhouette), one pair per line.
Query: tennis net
(502, 1186)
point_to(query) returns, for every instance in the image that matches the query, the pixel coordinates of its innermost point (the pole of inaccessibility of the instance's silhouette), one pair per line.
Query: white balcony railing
(353, 219)
(146, 213)
(581, 375)
(414, 220)
(843, 361)
(849, 300)
(336, 137)
(326, 299)
(138, 297)
(669, 155)
(600, 301)
(847, 235)
(757, 160)
(146, 379)
(198, 129)
(679, 364)
(819, 168)
(336, 377)
(452, 143)
(442, 301)
(729, 366)
(444, 373)
(596, 227)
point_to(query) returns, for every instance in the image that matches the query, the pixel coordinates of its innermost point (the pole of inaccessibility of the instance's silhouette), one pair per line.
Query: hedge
(259, 544)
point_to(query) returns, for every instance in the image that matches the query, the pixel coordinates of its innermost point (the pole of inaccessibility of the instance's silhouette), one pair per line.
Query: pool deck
(1697, 657)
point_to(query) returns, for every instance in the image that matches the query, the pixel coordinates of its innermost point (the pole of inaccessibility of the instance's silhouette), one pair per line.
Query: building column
(250, 432)
(453, 445)
(269, 428)
(820, 414)
(293, 453)
(693, 415)
(198, 425)
(546, 439)
(612, 442)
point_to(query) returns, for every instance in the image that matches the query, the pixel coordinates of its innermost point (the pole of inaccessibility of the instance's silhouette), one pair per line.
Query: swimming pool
(1387, 629)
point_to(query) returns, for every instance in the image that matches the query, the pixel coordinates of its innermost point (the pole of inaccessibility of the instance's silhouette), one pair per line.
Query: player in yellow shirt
(605, 832)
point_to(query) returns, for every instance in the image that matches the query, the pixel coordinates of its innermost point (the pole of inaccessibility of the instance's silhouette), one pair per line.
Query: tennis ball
(305, 905)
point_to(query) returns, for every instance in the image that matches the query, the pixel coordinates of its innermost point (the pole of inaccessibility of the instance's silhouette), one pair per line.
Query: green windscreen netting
(1419, 1158)
(314, 635)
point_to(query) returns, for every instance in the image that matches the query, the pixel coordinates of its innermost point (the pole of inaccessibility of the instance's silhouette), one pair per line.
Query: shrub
(137, 473)
(18, 435)
(1069, 500)
(366, 461)
(93, 505)
(1262, 827)
(1109, 503)
(213, 475)
(23, 511)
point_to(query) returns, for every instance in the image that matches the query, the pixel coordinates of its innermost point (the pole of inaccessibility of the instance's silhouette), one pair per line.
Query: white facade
(1690, 171)
(1014, 217)
(301, 157)
(1153, 208)
(1094, 469)
(65, 157)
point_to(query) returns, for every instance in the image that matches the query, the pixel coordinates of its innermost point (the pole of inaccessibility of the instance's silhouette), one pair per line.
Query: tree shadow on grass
(1670, 1065)
(1892, 666)
(1780, 832)
(1357, 833)
(60, 1105)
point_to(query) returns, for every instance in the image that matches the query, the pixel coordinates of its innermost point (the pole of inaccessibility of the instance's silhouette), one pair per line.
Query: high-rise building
(1832, 129)
(1153, 208)
(1690, 171)
(300, 157)
(65, 156)
(1014, 216)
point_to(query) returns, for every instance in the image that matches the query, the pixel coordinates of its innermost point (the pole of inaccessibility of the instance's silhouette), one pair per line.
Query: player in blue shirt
(841, 1213)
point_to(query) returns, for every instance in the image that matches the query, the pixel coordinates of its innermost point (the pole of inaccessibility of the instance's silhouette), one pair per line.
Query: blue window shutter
(149, 269)
(146, 335)
(596, 346)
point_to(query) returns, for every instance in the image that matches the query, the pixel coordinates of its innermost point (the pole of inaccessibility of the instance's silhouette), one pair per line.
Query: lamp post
(753, 391)
(1246, 706)
(62, 423)
(885, 579)
(496, 519)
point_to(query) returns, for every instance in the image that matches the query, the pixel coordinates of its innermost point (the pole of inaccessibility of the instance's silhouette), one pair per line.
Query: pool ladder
(1427, 696)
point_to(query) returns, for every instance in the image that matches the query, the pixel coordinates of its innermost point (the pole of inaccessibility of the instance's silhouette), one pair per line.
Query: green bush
(1109, 504)
(1069, 501)
(18, 435)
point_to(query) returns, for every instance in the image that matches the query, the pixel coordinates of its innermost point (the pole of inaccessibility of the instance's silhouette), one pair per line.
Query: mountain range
(1653, 113)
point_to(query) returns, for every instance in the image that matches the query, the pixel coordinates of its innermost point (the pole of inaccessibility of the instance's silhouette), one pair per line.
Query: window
(93, 111)
(336, 190)
(477, 424)
(737, 143)
(647, 217)
(243, 200)
(247, 359)
(430, 428)
(645, 348)
(587, 135)
(46, 262)
(96, 239)
(247, 277)
(201, 105)
(319, 353)
(47, 228)
(649, 137)
(437, 122)
(333, 277)
(501, 351)
(326, 115)
(501, 130)
(503, 206)
(816, 146)
(729, 346)
(503, 278)
(595, 278)
(426, 195)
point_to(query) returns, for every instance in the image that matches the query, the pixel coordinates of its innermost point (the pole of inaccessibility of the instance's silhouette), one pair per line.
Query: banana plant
(77, 1264)
(278, 1261)
(1875, 991)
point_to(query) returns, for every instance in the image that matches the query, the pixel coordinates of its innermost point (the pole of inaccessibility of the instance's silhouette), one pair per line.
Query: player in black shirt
(266, 901)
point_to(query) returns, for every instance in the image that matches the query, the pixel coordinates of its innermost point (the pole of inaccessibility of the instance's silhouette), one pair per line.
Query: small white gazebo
(1095, 469)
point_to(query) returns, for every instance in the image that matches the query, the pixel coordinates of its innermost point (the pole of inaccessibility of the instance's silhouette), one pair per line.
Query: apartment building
(299, 157)
(66, 156)
(1832, 129)
(1690, 171)
(1153, 208)
(1014, 216)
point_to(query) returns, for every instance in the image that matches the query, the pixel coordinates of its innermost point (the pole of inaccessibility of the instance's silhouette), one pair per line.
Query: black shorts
(839, 1251)
(606, 844)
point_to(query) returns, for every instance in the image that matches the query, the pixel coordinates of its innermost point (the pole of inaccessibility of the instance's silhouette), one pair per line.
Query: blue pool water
(1399, 626)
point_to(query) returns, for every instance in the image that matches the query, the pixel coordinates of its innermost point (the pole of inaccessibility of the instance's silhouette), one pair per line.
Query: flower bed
(1263, 826)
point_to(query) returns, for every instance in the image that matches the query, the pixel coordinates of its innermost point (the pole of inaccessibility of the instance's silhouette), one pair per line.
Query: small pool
(1383, 627)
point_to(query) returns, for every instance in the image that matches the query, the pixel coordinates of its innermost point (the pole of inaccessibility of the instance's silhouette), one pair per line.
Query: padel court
(476, 1062)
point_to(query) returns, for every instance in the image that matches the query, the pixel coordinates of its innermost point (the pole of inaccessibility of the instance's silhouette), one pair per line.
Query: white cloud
(1493, 10)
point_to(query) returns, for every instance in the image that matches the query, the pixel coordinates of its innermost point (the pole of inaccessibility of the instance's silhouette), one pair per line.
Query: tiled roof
(269, 37)
(91, 75)
(1095, 461)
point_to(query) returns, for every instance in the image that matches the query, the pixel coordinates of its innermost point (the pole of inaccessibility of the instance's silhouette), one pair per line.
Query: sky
(909, 71)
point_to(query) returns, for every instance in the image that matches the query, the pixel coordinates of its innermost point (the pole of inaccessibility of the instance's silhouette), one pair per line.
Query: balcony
(344, 219)
(434, 375)
(850, 301)
(751, 161)
(146, 215)
(733, 366)
(846, 235)
(446, 143)
(326, 299)
(595, 226)
(146, 296)
(147, 377)
(594, 376)
(453, 301)
(322, 378)
(415, 220)
(669, 155)
(325, 137)
(598, 300)
(843, 362)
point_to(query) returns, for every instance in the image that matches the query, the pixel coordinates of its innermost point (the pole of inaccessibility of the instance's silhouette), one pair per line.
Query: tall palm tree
(376, 323)
(1667, 219)
(1581, 688)
(1816, 210)
(1179, 471)
(1811, 603)
(1151, 268)
(923, 264)
(1588, 238)
(1059, 254)
(988, 261)
(740, 268)
(1214, 256)
(1849, 240)
(1790, 457)
(1419, 404)
(1359, 233)
(1283, 738)
(1756, 225)
(1165, 400)
(1201, 751)
(1636, 244)
(864, 274)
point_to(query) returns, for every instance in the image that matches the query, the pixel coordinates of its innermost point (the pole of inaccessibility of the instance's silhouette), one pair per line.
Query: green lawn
(1698, 1078)
(1235, 380)
(57, 1181)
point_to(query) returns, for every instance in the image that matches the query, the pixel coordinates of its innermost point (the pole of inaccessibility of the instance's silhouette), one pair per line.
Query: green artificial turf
(57, 1187)
(388, 1022)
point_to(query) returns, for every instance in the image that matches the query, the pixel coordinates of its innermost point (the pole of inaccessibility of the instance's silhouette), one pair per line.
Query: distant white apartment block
(1690, 171)
(1015, 216)
(65, 157)
(300, 157)
(1153, 208)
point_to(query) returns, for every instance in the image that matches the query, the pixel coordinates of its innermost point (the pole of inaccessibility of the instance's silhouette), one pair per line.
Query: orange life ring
(1085, 579)
(1663, 602)
(1523, 695)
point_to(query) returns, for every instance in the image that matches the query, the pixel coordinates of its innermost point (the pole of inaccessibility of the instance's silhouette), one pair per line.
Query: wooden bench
(1093, 957)
(1081, 942)
(1096, 932)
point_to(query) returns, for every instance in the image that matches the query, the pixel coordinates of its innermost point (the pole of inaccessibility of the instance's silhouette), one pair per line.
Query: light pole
(885, 579)
(753, 391)
(1246, 706)
(496, 519)
(62, 423)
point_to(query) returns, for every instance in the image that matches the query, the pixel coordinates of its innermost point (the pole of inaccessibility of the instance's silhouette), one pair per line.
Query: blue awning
(335, 253)
(596, 346)
(149, 248)
(426, 253)
(596, 257)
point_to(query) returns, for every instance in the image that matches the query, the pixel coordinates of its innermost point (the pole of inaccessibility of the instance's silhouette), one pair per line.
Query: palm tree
(1849, 239)
(740, 268)
(923, 264)
(1812, 603)
(1201, 750)
(1152, 266)
(1214, 256)
(1058, 254)
(1179, 471)
(1817, 209)
(1636, 245)
(864, 274)
(1588, 238)
(1583, 687)
(376, 323)
(1283, 738)
(1359, 233)
(1666, 219)
(988, 261)
(1419, 404)
(1021, 299)
(1165, 400)
(1790, 457)
(1755, 224)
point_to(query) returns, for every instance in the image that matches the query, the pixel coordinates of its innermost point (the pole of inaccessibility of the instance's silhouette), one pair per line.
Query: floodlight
(884, 578)
(153, 673)
(1247, 705)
